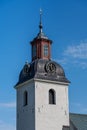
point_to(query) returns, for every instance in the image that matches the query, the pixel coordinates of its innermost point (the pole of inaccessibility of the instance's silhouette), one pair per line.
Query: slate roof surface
(79, 120)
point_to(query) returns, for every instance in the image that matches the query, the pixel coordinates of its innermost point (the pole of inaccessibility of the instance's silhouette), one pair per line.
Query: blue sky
(65, 22)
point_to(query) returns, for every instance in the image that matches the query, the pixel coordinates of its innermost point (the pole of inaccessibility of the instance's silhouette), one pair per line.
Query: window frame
(52, 97)
(46, 50)
(25, 98)
(34, 50)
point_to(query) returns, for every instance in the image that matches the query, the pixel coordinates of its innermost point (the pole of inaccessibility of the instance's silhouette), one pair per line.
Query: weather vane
(40, 26)
(40, 11)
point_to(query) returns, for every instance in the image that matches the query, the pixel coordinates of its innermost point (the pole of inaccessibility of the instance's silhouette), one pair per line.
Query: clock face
(50, 67)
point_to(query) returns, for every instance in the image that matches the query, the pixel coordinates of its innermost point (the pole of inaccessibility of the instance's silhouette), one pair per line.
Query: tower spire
(40, 25)
(41, 44)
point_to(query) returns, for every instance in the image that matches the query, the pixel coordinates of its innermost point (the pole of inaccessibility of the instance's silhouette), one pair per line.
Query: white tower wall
(26, 114)
(51, 116)
(38, 114)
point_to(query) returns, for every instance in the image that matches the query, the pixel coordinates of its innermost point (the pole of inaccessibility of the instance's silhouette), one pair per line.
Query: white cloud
(61, 61)
(76, 104)
(75, 55)
(79, 51)
(8, 105)
(84, 110)
(83, 65)
(74, 107)
(6, 126)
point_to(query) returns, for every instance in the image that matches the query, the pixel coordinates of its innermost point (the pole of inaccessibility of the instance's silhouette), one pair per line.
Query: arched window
(34, 49)
(25, 98)
(52, 96)
(45, 50)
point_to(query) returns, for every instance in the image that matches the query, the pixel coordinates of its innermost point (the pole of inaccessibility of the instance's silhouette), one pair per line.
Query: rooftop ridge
(78, 114)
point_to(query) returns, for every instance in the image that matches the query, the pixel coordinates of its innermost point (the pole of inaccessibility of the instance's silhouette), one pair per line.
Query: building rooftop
(42, 69)
(79, 121)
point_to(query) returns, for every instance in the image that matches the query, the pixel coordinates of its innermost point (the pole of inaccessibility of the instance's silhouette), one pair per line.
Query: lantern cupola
(41, 44)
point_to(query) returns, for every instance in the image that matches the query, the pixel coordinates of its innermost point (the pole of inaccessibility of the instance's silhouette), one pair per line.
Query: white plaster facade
(26, 114)
(39, 114)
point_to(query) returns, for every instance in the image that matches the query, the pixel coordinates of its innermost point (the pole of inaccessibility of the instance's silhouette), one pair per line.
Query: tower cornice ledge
(24, 83)
(40, 80)
(50, 81)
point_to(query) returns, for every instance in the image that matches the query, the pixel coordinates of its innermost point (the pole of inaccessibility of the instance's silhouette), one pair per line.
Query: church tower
(42, 90)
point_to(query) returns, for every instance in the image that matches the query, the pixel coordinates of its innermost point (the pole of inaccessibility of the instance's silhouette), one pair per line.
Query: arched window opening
(34, 49)
(52, 97)
(45, 50)
(25, 98)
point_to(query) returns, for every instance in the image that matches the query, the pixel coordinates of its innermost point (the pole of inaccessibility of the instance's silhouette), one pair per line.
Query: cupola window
(34, 50)
(45, 50)
(25, 98)
(52, 96)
